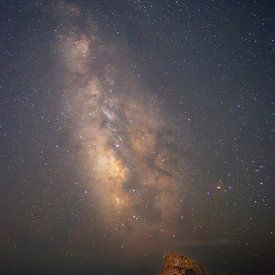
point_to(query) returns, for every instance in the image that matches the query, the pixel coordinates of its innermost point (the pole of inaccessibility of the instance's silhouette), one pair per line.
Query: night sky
(134, 129)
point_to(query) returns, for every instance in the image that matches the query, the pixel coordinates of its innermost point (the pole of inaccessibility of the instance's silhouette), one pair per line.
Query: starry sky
(134, 129)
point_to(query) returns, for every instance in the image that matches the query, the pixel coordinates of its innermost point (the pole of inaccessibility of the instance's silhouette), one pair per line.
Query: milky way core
(122, 135)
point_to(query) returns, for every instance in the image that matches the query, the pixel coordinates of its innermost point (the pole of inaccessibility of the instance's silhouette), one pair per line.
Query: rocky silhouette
(181, 265)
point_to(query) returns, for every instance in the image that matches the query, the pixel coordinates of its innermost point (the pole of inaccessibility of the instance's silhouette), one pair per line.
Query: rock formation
(181, 265)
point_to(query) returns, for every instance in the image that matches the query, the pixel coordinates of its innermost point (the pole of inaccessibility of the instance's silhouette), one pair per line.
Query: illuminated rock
(181, 265)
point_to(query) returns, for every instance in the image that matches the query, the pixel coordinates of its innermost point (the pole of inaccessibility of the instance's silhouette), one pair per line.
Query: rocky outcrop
(181, 265)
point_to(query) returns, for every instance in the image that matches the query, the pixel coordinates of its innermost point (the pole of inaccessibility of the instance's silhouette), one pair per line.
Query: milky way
(123, 138)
